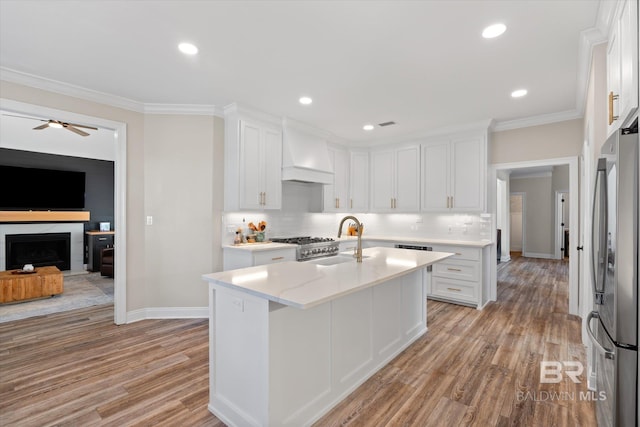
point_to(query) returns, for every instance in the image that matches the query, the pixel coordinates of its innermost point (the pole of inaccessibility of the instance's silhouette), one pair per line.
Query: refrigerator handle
(602, 169)
(608, 354)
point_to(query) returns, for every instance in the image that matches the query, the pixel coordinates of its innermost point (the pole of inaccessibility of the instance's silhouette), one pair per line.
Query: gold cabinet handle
(612, 118)
(458, 254)
(453, 269)
(454, 289)
(395, 203)
(451, 202)
(350, 203)
(277, 258)
(392, 203)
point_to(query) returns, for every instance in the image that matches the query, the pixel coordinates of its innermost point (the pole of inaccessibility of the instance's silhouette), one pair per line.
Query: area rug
(83, 290)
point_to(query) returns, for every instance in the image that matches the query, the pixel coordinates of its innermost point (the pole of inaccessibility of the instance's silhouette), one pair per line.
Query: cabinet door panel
(272, 169)
(628, 101)
(336, 194)
(407, 179)
(468, 178)
(250, 160)
(381, 180)
(435, 172)
(359, 182)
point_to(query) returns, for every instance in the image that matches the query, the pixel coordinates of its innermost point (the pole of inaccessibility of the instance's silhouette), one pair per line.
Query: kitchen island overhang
(289, 341)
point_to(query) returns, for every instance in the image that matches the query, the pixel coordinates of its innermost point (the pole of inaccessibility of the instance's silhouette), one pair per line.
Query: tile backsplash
(301, 215)
(428, 225)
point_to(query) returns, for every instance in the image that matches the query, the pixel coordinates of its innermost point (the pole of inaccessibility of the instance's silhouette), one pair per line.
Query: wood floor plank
(482, 368)
(473, 367)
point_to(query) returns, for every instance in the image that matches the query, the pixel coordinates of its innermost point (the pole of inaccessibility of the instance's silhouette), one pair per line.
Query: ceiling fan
(57, 124)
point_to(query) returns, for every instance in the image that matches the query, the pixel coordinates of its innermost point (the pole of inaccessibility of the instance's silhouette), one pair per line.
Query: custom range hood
(305, 156)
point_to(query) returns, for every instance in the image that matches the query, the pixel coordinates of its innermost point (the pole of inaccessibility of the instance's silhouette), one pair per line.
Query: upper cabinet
(395, 179)
(622, 65)
(349, 190)
(253, 163)
(336, 194)
(454, 174)
(359, 181)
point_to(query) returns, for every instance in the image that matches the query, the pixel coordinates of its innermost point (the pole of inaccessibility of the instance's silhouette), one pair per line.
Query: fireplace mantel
(44, 216)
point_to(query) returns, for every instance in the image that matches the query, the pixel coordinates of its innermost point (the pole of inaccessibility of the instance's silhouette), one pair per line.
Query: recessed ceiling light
(188, 48)
(493, 31)
(305, 100)
(518, 93)
(367, 127)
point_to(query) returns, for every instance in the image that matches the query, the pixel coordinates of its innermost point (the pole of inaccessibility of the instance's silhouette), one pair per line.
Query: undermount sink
(334, 260)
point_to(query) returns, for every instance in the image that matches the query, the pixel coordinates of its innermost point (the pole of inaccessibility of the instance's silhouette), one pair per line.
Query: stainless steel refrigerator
(613, 325)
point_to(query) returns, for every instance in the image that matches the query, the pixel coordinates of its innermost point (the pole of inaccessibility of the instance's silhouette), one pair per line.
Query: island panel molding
(289, 341)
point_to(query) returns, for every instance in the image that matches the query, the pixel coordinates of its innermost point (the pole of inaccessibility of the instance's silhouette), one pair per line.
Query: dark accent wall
(99, 186)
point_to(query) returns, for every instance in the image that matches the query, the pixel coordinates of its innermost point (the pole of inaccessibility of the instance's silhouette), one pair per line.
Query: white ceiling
(422, 64)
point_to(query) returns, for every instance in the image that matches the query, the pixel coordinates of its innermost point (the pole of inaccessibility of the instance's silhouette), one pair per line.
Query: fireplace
(44, 249)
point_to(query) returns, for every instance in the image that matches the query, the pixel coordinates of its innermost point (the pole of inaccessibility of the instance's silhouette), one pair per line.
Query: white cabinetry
(242, 257)
(359, 181)
(336, 194)
(395, 179)
(622, 65)
(253, 163)
(461, 278)
(454, 174)
(349, 191)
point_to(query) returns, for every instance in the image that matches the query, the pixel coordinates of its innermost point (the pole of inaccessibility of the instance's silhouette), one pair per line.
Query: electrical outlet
(149, 220)
(419, 219)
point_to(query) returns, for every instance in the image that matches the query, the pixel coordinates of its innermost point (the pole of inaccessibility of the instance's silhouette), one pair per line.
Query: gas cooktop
(311, 247)
(305, 240)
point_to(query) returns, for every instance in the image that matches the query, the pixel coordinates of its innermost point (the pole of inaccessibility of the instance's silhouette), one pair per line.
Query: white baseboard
(505, 258)
(167, 313)
(538, 255)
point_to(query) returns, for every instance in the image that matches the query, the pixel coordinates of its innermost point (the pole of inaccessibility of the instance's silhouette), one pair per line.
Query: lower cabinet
(461, 278)
(243, 257)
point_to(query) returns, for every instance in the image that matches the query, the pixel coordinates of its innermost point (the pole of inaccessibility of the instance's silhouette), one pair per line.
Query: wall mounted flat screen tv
(40, 189)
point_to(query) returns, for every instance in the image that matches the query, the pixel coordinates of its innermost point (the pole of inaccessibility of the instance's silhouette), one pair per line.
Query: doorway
(119, 130)
(506, 168)
(562, 225)
(516, 222)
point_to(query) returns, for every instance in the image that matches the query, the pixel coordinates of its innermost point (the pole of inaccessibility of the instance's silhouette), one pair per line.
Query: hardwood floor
(472, 367)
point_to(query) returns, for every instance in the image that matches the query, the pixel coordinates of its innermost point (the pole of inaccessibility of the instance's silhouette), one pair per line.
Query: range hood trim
(300, 174)
(305, 155)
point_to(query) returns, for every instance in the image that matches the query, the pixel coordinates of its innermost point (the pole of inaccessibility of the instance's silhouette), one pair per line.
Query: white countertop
(305, 284)
(260, 246)
(421, 240)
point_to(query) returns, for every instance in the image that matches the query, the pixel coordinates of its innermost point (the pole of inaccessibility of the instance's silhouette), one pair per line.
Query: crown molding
(67, 89)
(235, 110)
(190, 109)
(543, 119)
(62, 88)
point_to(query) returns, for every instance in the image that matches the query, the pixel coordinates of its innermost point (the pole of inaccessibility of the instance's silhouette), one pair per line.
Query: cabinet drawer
(271, 257)
(454, 289)
(461, 252)
(464, 270)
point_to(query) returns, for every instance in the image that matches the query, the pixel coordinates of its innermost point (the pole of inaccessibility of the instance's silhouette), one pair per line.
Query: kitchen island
(288, 341)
